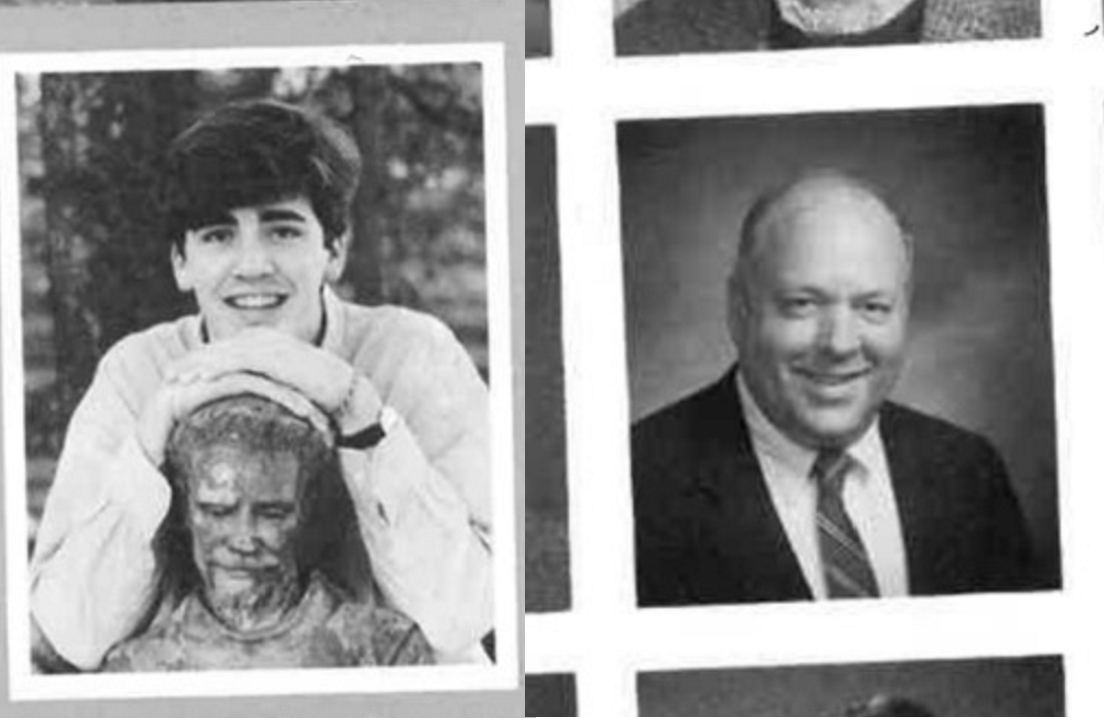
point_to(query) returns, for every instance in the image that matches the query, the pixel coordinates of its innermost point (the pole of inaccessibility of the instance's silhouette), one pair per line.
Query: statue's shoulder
(159, 649)
(380, 635)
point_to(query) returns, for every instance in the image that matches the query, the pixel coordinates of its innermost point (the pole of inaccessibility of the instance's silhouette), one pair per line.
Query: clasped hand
(311, 382)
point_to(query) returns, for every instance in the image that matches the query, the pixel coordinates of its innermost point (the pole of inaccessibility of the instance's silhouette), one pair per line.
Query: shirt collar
(797, 459)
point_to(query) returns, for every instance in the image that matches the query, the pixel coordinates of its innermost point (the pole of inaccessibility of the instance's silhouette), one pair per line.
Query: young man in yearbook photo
(255, 197)
(793, 476)
(647, 27)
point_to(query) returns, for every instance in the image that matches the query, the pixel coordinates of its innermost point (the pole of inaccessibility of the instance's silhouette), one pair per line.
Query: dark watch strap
(365, 439)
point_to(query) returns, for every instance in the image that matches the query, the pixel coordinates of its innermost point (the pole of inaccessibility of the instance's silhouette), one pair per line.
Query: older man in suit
(688, 26)
(793, 477)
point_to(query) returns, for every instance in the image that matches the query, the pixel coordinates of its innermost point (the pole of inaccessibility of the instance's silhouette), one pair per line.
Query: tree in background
(95, 261)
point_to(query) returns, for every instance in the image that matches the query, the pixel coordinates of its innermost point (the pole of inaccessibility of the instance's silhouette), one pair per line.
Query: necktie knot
(846, 565)
(830, 470)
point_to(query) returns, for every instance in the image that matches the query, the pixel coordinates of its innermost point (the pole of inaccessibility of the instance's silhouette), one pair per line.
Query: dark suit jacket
(707, 532)
(655, 27)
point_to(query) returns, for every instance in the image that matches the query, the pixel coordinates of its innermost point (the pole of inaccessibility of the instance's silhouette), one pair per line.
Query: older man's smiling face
(261, 265)
(821, 321)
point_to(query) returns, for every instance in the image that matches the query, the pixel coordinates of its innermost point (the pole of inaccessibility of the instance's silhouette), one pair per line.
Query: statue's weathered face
(246, 515)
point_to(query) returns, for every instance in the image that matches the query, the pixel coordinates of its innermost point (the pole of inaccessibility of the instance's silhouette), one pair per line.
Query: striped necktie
(846, 566)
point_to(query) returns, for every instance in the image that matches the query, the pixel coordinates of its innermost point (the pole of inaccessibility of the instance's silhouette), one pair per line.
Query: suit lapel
(747, 555)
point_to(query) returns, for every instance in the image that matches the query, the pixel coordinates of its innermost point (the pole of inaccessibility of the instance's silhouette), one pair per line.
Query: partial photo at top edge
(665, 27)
(672, 27)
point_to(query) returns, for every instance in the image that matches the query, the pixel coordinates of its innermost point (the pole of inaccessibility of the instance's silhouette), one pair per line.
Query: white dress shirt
(867, 495)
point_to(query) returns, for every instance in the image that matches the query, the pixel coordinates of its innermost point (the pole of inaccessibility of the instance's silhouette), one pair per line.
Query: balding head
(823, 197)
(818, 306)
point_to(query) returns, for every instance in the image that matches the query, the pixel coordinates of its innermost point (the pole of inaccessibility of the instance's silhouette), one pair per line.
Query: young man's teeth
(255, 301)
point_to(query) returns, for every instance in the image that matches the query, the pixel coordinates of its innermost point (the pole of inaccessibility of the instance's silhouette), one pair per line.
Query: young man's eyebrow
(281, 215)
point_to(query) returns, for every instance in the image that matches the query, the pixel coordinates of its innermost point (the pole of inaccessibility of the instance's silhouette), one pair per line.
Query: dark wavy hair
(255, 152)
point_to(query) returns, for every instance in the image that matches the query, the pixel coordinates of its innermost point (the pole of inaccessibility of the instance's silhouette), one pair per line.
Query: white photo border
(504, 673)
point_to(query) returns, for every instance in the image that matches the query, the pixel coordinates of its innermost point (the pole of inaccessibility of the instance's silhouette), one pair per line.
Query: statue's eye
(216, 510)
(275, 512)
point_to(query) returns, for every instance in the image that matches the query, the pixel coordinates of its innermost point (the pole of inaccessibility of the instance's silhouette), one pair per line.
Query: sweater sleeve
(422, 496)
(93, 575)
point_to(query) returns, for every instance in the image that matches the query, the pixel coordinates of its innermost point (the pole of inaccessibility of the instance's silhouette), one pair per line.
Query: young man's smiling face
(260, 266)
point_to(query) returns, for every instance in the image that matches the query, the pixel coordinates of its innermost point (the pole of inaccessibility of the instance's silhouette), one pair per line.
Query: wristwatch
(372, 435)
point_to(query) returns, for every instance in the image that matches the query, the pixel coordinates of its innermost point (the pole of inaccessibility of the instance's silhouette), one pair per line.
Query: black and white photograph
(264, 346)
(996, 687)
(547, 582)
(550, 696)
(840, 360)
(538, 28)
(666, 27)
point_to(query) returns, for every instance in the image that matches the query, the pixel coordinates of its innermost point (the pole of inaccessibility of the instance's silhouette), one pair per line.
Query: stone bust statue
(240, 546)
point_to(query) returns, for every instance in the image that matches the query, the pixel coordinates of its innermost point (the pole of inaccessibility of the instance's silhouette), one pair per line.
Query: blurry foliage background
(95, 267)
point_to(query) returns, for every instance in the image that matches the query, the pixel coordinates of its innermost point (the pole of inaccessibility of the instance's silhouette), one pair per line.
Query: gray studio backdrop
(546, 543)
(1015, 687)
(970, 183)
(41, 26)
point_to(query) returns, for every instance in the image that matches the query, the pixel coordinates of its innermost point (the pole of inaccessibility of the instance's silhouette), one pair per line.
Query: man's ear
(338, 251)
(180, 269)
